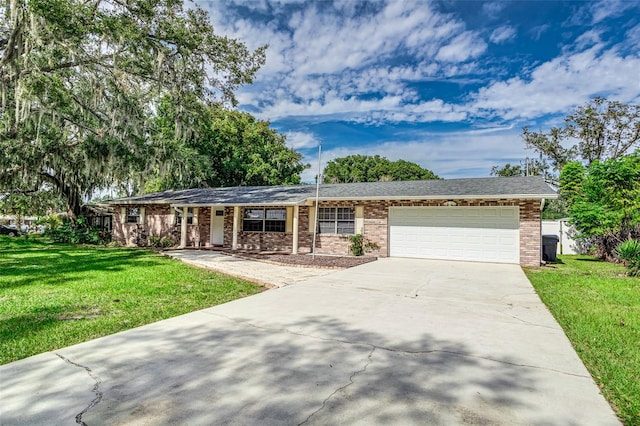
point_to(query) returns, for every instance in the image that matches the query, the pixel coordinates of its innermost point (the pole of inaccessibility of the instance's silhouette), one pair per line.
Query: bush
(629, 251)
(78, 232)
(52, 221)
(158, 242)
(359, 245)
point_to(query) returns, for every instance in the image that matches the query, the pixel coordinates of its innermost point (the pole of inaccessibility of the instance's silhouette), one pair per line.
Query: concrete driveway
(396, 341)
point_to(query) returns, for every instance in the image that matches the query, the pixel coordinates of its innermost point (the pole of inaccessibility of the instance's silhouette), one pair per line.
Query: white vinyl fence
(566, 244)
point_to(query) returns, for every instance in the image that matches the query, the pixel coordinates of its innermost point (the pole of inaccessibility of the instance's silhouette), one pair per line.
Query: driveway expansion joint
(351, 377)
(96, 388)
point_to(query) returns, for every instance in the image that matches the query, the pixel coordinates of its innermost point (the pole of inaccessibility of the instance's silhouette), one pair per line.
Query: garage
(482, 234)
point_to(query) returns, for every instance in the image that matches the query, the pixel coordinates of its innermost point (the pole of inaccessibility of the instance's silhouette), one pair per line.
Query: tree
(604, 200)
(601, 129)
(225, 148)
(80, 81)
(38, 203)
(364, 168)
(528, 167)
(553, 209)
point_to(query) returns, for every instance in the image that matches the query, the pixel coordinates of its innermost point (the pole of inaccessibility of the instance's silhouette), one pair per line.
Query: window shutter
(142, 217)
(359, 223)
(123, 214)
(312, 217)
(289, 224)
(195, 215)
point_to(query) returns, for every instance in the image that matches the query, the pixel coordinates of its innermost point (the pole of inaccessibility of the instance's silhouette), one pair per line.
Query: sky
(448, 85)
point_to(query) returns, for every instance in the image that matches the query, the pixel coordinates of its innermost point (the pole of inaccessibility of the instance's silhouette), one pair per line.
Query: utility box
(549, 247)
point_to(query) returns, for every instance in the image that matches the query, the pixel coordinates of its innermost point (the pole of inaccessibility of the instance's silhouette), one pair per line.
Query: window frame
(262, 222)
(190, 216)
(133, 218)
(337, 217)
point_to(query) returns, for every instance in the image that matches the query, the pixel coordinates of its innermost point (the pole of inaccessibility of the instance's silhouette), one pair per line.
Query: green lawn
(52, 296)
(598, 306)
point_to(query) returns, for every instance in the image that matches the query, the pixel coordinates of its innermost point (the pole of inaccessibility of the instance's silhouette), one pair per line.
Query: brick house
(485, 219)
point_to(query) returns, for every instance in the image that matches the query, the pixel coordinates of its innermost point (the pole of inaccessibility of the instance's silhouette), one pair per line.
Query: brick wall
(266, 241)
(376, 215)
(159, 222)
(530, 230)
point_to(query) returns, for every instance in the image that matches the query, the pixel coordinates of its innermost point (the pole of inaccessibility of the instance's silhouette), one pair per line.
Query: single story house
(495, 219)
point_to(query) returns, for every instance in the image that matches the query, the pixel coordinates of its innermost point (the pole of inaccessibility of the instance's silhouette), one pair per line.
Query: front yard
(598, 307)
(52, 296)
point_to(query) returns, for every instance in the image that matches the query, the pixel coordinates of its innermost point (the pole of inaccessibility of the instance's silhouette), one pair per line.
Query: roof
(532, 187)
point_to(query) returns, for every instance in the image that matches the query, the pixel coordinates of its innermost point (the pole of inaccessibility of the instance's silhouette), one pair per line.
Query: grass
(52, 296)
(598, 307)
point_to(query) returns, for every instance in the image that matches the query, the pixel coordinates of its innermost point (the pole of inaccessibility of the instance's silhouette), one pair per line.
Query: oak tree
(80, 81)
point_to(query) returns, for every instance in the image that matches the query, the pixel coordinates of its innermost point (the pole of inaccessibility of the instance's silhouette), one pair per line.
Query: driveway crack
(510, 307)
(398, 350)
(353, 375)
(96, 389)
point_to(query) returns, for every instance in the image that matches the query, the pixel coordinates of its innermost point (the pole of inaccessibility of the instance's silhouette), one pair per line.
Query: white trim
(296, 211)
(234, 235)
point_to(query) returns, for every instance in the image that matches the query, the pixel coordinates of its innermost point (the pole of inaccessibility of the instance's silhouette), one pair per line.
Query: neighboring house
(565, 233)
(25, 222)
(487, 219)
(99, 215)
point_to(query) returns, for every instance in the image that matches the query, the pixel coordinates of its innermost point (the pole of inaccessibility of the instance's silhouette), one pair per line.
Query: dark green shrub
(359, 245)
(629, 251)
(78, 232)
(166, 242)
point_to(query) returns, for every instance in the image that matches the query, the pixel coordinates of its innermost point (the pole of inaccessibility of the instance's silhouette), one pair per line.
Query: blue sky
(448, 85)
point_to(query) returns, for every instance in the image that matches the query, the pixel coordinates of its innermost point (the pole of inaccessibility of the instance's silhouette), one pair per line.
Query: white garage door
(484, 234)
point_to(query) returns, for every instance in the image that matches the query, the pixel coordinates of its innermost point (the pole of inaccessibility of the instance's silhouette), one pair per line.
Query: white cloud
(603, 9)
(335, 60)
(493, 9)
(559, 85)
(502, 34)
(453, 155)
(463, 47)
(537, 31)
(301, 140)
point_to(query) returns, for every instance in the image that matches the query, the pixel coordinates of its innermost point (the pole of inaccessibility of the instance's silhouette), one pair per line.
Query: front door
(217, 227)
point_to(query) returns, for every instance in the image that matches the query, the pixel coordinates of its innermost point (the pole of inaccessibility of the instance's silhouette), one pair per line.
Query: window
(264, 220)
(189, 216)
(336, 220)
(133, 215)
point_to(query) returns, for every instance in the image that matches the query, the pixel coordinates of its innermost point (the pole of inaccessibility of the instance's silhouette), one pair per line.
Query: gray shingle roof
(494, 187)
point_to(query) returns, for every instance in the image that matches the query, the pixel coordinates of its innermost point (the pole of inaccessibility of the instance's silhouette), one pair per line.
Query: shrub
(154, 241)
(167, 242)
(629, 251)
(158, 242)
(78, 232)
(359, 245)
(52, 221)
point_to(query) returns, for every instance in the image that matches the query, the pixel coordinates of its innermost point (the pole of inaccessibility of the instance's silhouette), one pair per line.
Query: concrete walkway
(396, 341)
(251, 270)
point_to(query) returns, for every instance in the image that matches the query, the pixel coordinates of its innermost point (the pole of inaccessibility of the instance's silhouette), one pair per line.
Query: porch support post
(236, 221)
(213, 214)
(183, 228)
(296, 210)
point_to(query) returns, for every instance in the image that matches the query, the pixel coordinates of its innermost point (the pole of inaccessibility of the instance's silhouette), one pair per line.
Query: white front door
(217, 226)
